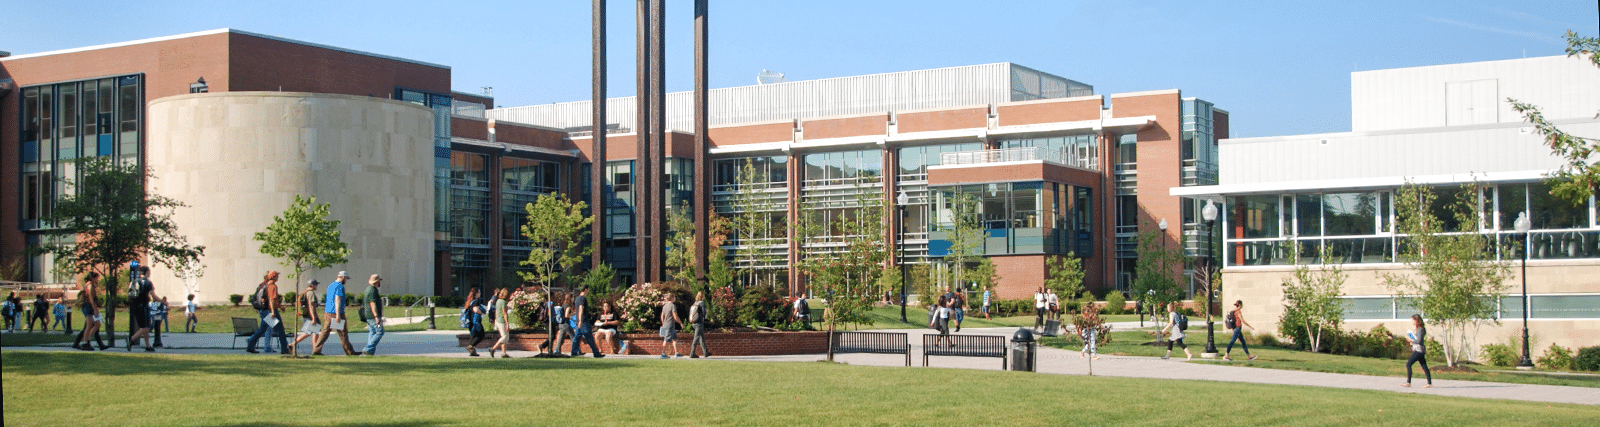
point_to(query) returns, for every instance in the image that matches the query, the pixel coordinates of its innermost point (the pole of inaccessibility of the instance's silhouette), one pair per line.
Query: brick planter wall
(720, 343)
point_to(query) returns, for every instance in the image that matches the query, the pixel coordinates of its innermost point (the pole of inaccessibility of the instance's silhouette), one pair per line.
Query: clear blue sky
(1281, 67)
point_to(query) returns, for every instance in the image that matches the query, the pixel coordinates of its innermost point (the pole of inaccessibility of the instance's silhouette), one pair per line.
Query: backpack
(1231, 322)
(258, 300)
(1183, 322)
(700, 314)
(6, 310)
(466, 316)
(491, 311)
(805, 307)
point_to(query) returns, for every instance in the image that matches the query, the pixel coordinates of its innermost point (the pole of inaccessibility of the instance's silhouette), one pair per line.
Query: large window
(843, 167)
(1019, 218)
(1076, 150)
(914, 161)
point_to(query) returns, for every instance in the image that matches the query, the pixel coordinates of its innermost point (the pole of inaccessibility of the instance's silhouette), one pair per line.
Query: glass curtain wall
(522, 182)
(912, 178)
(1082, 151)
(469, 220)
(767, 194)
(835, 184)
(1019, 218)
(60, 123)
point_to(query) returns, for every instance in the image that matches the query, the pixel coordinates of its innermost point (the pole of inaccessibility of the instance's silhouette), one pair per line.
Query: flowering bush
(524, 307)
(724, 306)
(639, 304)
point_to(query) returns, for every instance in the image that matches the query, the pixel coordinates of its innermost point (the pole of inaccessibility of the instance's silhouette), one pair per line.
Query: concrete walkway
(1051, 361)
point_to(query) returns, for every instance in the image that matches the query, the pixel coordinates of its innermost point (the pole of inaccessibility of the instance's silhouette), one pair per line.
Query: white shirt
(189, 307)
(1038, 300)
(1172, 322)
(1054, 300)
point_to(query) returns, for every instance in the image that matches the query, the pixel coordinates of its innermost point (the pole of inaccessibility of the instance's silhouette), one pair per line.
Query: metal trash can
(1023, 351)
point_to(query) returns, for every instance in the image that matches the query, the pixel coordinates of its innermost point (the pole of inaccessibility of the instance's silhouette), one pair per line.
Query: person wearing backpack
(1235, 322)
(697, 317)
(305, 304)
(802, 311)
(267, 305)
(472, 319)
(1177, 323)
(372, 312)
(140, 292)
(582, 327)
(9, 310)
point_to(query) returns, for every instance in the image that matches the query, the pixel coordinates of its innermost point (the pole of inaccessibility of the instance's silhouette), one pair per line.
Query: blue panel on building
(998, 232)
(938, 248)
(443, 152)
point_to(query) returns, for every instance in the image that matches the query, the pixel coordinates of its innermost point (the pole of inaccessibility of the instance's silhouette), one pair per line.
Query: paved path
(1051, 360)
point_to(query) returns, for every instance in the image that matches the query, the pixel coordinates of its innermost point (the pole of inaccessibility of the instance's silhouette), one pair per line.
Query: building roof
(211, 32)
(985, 84)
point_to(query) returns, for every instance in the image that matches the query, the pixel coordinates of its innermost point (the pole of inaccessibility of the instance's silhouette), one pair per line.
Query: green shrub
(394, 299)
(1498, 354)
(760, 306)
(236, 299)
(408, 299)
(1588, 359)
(1188, 312)
(1556, 357)
(1068, 306)
(1114, 303)
(1267, 340)
(1435, 351)
(287, 298)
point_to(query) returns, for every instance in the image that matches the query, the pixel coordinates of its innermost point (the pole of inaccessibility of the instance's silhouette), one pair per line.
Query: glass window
(1512, 202)
(469, 169)
(1256, 216)
(1350, 214)
(1369, 308)
(1308, 215)
(1549, 213)
(1565, 306)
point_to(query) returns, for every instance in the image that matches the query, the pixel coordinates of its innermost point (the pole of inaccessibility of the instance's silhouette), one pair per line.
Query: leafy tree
(1460, 281)
(302, 237)
(751, 221)
(557, 230)
(1153, 282)
(1065, 275)
(850, 277)
(984, 274)
(598, 281)
(966, 235)
(921, 283)
(680, 245)
(718, 273)
(1578, 179)
(114, 222)
(1311, 301)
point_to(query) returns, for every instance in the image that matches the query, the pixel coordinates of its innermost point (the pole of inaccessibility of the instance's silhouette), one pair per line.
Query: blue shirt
(335, 290)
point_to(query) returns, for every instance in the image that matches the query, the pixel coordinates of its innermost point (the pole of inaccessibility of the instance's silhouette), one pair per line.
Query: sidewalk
(442, 343)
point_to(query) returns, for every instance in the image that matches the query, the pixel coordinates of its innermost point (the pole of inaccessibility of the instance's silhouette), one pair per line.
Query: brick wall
(871, 124)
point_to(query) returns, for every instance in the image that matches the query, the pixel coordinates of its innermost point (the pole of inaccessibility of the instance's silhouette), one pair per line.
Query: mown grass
(888, 317)
(118, 389)
(1130, 343)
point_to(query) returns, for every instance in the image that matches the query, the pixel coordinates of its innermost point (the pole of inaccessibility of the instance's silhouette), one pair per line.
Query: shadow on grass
(382, 424)
(55, 363)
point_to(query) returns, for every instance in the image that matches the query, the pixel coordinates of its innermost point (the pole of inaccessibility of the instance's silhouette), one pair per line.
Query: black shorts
(141, 319)
(1179, 342)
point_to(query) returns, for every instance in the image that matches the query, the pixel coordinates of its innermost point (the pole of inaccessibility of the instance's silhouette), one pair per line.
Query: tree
(557, 230)
(920, 282)
(1152, 281)
(680, 258)
(304, 236)
(1460, 281)
(751, 220)
(965, 236)
(718, 273)
(598, 280)
(114, 222)
(1065, 275)
(1578, 179)
(1311, 301)
(850, 278)
(985, 274)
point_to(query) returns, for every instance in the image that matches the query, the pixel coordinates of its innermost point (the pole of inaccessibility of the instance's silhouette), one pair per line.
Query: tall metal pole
(903, 278)
(597, 168)
(1211, 294)
(1527, 361)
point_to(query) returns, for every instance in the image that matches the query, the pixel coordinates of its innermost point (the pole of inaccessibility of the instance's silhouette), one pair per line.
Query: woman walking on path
(1235, 321)
(500, 324)
(1419, 350)
(941, 321)
(306, 304)
(669, 326)
(91, 313)
(697, 317)
(474, 313)
(1177, 333)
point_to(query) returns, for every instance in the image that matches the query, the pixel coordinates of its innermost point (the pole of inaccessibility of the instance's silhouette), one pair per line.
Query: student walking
(1418, 336)
(1091, 336)
(556, 308)
(1052, 304)
(669, 326)
(267, 306)
(1236, 322)
(91, 313)
(373, 304)
(140, 291)
(41, 313)
(472, 316)
(59, 309)
(500, 323)
(583, 330)
(1038, 308)
(697, 317)
(941, 321)
(305, 304)
(333, 306)
(190, 317)
(958, 308)
(985, 310)
(1176, 323)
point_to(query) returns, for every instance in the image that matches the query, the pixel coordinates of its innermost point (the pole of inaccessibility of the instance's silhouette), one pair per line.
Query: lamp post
(900, 203)
(1151, 293)
(1523, 225)
(1209, 214)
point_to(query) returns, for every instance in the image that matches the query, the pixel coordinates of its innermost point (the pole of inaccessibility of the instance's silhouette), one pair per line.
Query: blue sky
(1281, 67)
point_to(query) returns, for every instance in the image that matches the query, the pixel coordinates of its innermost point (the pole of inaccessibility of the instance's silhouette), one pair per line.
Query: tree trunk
(110, 308)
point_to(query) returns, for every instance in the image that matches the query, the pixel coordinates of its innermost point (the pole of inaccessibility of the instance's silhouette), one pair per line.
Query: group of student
(570, 317)
(320, 324)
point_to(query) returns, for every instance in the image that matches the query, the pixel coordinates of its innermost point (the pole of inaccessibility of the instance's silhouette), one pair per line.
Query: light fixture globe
(1209, 213)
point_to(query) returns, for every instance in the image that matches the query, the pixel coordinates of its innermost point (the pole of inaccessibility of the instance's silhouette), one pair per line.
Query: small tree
(114, 222)
(965, 234)
(984, 274)
(1065, 275)
(718, 273)
(598, 280)
(1311, 301)
(680, 257)
(558, 231)
(850, 278)
(750, 222)
(920, 281)
(302, 237)
(1153, 282)
(1460, 280)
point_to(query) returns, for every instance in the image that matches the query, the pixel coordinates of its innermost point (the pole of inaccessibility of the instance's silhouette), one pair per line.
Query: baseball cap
(341, 274)
(313, 282)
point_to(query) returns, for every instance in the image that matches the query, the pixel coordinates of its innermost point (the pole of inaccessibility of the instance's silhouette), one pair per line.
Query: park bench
(871, 342)
(964, 346)
(244, 327)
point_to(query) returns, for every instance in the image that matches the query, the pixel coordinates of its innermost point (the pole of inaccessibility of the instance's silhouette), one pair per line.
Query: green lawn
(25, 339)
(118, 389)
(218, 318)
(1129, 343)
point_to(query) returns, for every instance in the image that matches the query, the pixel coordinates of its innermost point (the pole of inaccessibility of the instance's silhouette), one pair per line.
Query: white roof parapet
(872, 140)
(511, 147)
(751, 148)
(1352, 184)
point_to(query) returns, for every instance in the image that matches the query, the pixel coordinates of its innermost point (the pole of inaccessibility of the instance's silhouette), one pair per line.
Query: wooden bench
(871, 342)
(964, 346)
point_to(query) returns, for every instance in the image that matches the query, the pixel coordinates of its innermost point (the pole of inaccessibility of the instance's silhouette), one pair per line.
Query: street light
(900, 203)
(1143, 299)
(1209, 214)
(1523, 225)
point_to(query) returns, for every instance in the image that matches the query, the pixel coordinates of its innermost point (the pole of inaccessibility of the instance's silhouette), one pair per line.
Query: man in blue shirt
(334, 307)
